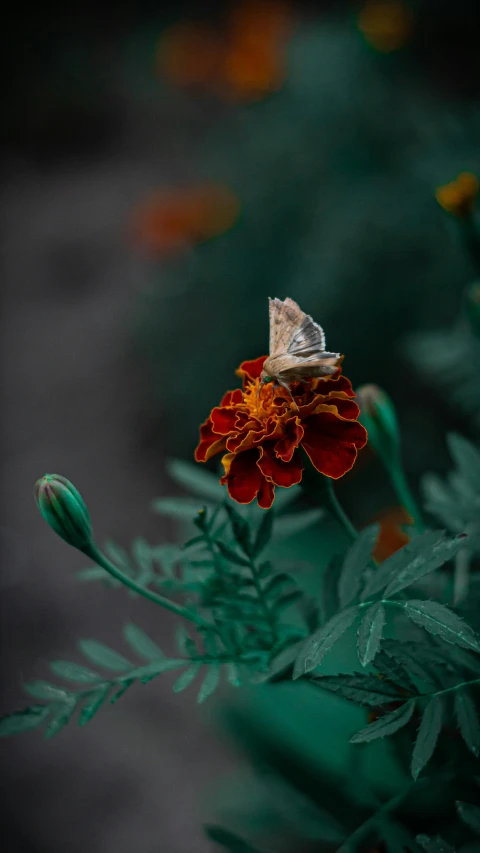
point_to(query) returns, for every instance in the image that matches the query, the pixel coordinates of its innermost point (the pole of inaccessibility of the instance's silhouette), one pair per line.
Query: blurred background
(166, 168)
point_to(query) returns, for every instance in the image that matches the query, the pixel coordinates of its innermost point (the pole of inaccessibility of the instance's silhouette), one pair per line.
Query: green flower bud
(63, 508)
(378, 416)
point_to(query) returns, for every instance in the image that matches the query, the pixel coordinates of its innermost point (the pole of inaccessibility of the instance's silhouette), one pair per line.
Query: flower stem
(95, 554)
(337, 510)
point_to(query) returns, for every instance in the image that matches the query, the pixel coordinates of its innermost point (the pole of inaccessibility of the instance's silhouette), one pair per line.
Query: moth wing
(310, 368)
(285, 320)
(307, 340)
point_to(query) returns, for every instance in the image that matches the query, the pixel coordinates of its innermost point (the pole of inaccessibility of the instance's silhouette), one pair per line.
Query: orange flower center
(265, 400)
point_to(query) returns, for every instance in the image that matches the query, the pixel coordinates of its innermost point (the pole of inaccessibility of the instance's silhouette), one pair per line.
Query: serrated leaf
(104, 656)
(368, 690)
(467, 459)
(151, 670)
(355, 562)
(141, 643)
(95, 573)
(290, 525)
(264, 533)
(74, 672)
(427, 736)
(387, 725)
(241, 529)
(46, 691)
(470, 815)
(195, 479)
(23, 721)
(230, 554)
(182, 509)
(370, 633)
(409, 655)
(265, 569)
(393, 670)
(392, 566)
(438, 619)
(316, 647)
(210, 682)
(434, 845)
(277, 583)
(143, 557)
(61, 717)
(233, 675)
(93, 704)
(286, 600)
(186, 677)
(467, 719)
(184, 642)
(424, 563)
(122, 690)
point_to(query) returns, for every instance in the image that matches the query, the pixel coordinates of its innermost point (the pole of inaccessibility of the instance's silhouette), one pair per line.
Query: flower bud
(378, 416)
(64, 509)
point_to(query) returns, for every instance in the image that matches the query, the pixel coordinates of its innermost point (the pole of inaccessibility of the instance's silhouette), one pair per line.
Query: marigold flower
(459, 196)
(392, 536)
(172, 219)
(386, 24)
(244, 62)
(261, 429)
(254, 62)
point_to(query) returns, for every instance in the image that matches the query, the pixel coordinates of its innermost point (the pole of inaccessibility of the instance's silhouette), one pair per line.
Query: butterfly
(297, 347)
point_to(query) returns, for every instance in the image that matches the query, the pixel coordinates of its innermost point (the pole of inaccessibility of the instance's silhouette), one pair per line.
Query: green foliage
(386, 725)
(253, 618)
(470, 814)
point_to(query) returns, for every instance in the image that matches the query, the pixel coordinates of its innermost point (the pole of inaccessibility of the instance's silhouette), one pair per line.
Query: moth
(297, 347)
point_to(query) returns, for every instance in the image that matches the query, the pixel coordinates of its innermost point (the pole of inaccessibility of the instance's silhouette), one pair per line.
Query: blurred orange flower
(459, 196)
(172, 219)
(386, 24)
(245, 61)
(392, 536)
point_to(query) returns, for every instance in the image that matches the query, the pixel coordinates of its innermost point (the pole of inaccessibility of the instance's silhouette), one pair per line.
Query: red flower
(261, 429)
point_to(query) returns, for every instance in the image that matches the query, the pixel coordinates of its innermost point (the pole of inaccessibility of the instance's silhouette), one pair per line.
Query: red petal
(244, 440)
(285, 447)
(332, 443)
(266, 495)
(244, 479)
(232, 398)
(223, 420)
(346, 408)
(284, 474)
(335, 383)
(251, 369)
(210, 442)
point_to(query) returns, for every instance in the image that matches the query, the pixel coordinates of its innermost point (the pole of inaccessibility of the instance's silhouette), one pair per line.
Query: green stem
(350, 845)
(96, 555)
(454, 688)
(337, 510)
(404, 493)
(266, 609)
